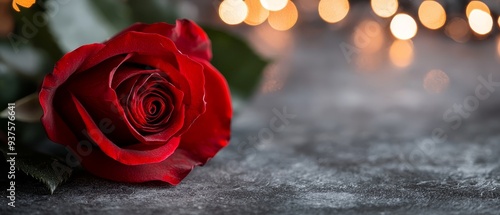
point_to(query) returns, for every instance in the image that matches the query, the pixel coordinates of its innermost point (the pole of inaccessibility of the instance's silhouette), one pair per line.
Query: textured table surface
(354, 141)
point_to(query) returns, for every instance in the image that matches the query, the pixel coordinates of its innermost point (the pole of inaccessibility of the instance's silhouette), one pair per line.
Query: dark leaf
(116, 12)
(241, 66)
(44, 168)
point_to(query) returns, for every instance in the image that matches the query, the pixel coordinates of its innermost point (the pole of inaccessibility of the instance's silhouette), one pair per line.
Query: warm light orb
(479, 5)
(498, 46)
(403, 26)
(256, 13)
(431, 14)
(274, 5)
(498, 21)
(401, 53)
(233, 12)
(480, 22)
(333, 11)
(458, 30)
(384, 8)
(436, 81)
(368, 37)
(284, 19)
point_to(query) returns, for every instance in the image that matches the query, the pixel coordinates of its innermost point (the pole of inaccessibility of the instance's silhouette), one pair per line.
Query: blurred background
(384, 104)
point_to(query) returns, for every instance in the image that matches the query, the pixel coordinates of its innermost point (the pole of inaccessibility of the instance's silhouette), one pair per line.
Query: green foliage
(44, 168)
(241, 66)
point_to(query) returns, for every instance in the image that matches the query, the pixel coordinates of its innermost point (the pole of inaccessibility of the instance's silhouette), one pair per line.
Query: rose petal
(55, 127)
(92, 88)
(172, 170)
(123, 155)
(187, 36)
(205, 141)
(190, 79)
(147, 46)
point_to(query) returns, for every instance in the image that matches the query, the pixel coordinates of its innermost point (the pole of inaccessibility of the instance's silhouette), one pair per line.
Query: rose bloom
(145, 105)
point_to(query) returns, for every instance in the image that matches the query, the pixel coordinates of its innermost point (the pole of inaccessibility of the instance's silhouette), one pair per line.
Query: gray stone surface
(357, 143)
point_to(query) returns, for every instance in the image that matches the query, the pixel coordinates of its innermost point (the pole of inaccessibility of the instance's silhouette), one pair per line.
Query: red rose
(145, 105)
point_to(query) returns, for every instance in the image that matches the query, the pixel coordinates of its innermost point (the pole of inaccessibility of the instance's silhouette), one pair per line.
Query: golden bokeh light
(431, 14)
(274, 5)
(479, 5)
(436, 81)
(284, 19)
(498, 46)
(256, 13)
(269, 42)
(401, 53)
(480, 22)
(403, 26)
(368, 36)
(458, 30)
(498, 21)
(384, 8)
(22, 3)
(333, 11)
(233, 12)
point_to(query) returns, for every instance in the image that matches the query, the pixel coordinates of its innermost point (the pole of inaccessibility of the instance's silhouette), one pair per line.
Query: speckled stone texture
(355, 142)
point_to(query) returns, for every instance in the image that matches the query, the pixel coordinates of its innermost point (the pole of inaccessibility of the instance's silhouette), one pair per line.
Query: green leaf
(44, 168)
(239, 64)
(48, 170)
(117, 13)
(78, 23)
(27, 109)
(30, 30)
(150, 11)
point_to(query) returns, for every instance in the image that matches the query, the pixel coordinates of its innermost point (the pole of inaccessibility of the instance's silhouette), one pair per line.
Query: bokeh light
(431, 14)
(284, 19)
(274, 5)
(233, 12)
(458, 30)
(368, 36)
(401, 53)
(436, 81)
(403, 26)
(498, 46)
(333, 11)
(384, 8)
(256, 13)
(479, 5)
(480, 22)
(498, 21)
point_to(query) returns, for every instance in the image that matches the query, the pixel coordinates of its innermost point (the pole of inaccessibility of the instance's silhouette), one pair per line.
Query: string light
(284, 19)
(233, 12)
(257, 14)
(403, 26)
(384, 8)
(283, 14)
(431, 14)
(480, 22)
(274, 5)
(498, 46)
(436, 81)
(479, 5)
(458, 30)
(368, 37)
(333, 11)
(401, 53)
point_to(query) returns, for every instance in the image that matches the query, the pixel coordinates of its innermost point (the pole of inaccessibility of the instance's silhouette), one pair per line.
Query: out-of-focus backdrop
(385, 106)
